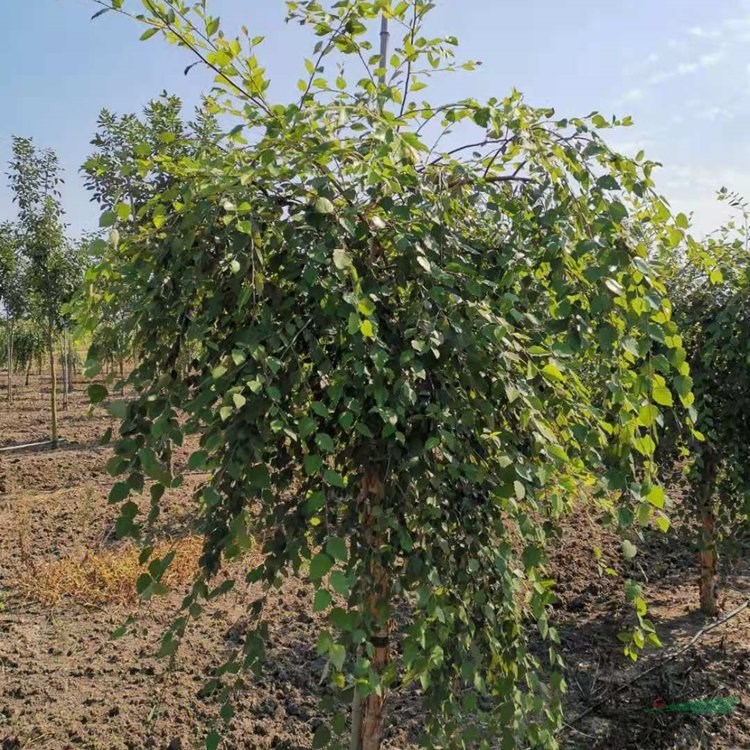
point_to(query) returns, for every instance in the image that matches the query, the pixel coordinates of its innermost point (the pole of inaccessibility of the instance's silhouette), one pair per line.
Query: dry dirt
(64, 683)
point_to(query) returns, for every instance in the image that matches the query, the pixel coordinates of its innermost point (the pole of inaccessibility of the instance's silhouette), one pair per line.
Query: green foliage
(123, 173)
(476, 329)
(53, 267)
(29, 344)
(711, 287)
(13, 297)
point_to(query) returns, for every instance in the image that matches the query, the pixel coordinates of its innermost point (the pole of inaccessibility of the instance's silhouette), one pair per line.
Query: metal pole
(384, 37)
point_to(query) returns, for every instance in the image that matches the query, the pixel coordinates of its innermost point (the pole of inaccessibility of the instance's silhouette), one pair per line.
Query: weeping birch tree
(710, 286)
(415, 354)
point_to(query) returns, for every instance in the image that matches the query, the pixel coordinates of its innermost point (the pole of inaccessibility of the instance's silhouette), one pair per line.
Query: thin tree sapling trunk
(707, 541)
(53, 385)
(70, 364)
(369, 712)
(64, 364)
(10, 361)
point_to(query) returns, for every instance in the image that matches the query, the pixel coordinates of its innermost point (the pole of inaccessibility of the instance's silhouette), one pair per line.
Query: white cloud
(716, 113)
(633, 95)
(658, 78)
(684, 69)
(706, 61)
(703, 33)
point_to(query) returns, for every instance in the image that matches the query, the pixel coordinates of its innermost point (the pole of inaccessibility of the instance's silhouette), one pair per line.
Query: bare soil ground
(64, 683)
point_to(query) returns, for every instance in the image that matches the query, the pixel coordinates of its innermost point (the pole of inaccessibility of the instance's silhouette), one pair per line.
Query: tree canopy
(410, 360)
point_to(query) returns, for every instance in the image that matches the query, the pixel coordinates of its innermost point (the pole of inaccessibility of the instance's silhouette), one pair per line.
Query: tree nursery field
(68, 584)
(365, 420)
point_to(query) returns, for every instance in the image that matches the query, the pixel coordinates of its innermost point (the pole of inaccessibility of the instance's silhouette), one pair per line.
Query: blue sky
(680, 67)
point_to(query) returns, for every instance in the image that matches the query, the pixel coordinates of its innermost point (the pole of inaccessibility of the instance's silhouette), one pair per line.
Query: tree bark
(372, 706)
(28, 370)
(10, 361)
(53, 385)
(64, 363)
(70, 365)
(707, 540)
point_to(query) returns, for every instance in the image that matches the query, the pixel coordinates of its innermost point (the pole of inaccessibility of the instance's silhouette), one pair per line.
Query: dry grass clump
(105, 577)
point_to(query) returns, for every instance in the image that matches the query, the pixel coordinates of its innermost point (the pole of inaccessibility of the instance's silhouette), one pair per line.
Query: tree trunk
(369, 712)
(64, 364)
(169, 459)
(707, 540)
(28, 370)
(53, 385)
(10, 362)
(70, 366)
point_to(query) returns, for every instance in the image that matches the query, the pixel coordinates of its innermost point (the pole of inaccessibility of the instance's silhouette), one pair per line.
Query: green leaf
(656, 497)
(337, 655)
(366, 306)
(147, 34)
(340, 583)
(532, 556)
(320, 565)
(367, 329)
(341, 259)
(336, 548)
(617, 211)
(325, 442)
(647, 415)
(553, 373)
(118, 409)
(663, 523)
(662, 395)
(320, 409)
(629, 550)
(118, 493)
(306, 426)
(333, 478)
(107, 219)
(123, 211)
(197, 460)
(97, 393)
(323, 206)
(312, 464)
(321, 737)
(315, 502)
(322, 601)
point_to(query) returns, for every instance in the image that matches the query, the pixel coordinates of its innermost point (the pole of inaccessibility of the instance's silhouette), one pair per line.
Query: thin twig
(664, 661)
(168, 26)
(407, 82)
